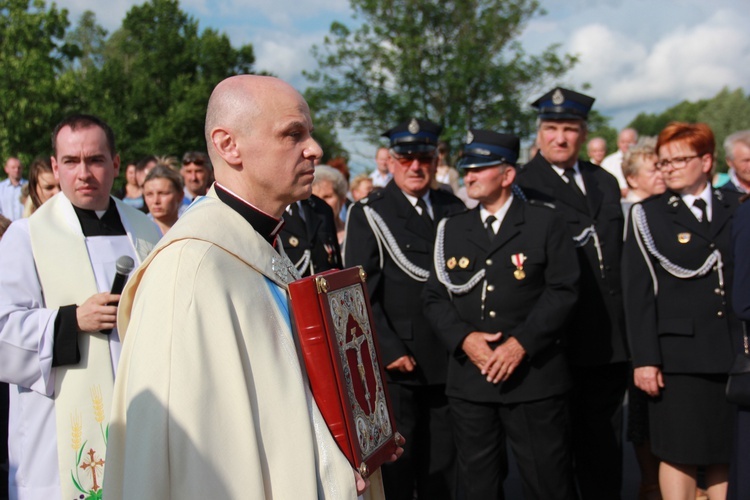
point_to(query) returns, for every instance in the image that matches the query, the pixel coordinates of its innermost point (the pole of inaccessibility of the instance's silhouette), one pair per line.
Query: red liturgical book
(336, 331)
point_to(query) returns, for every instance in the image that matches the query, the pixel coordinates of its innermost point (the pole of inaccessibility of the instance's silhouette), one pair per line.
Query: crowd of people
(516, 309)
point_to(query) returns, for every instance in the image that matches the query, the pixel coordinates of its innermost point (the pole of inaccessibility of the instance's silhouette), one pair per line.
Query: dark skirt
(691, 422)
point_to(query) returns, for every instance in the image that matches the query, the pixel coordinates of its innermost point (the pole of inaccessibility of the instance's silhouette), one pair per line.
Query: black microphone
(123, 266)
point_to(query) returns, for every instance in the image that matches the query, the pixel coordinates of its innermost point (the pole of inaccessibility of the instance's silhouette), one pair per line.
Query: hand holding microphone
(124, 267)
(99, 312)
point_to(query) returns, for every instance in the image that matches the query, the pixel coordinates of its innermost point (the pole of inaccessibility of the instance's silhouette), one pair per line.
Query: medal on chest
(518, 259)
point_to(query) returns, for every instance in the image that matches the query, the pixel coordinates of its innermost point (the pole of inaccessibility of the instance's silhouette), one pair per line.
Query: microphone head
(124, 265)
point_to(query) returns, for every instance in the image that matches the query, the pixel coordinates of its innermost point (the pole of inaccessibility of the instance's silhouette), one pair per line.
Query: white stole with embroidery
(83, 392)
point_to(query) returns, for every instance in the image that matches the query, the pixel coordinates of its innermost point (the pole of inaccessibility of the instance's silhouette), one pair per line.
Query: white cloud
(685, 62)
(285, 56)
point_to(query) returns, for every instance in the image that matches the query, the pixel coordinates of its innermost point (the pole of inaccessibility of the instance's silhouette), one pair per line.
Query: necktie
(490, 230)
(700, 204)
(571, 175)
(425, 214)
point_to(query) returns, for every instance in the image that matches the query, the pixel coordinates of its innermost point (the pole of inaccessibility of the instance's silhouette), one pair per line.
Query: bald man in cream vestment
(212, 400)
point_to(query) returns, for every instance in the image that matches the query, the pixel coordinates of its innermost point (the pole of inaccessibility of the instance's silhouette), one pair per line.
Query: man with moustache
(502, 286)
(391, 235)
(588, 198)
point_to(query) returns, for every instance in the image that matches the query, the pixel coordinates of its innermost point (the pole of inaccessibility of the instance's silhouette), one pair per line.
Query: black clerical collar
(265, 225)
(108, 225)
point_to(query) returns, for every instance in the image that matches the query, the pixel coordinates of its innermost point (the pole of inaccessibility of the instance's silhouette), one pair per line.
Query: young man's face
(84, 166)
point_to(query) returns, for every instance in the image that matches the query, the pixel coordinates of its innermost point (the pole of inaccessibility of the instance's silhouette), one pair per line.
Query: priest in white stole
(212, 400)
(57, 271)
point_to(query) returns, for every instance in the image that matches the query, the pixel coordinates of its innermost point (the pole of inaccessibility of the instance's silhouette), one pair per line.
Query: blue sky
(637, 55)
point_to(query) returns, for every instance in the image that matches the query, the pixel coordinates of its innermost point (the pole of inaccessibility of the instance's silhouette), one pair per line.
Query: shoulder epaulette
(540, 203)
(375, 195)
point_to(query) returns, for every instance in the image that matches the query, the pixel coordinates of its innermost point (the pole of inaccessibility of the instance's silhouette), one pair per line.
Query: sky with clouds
(636, 55)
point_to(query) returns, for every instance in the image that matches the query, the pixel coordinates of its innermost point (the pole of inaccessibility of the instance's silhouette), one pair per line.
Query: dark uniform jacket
(316, 233)
(597, 329)
(533, 309)
(401, 326)
(689, 325)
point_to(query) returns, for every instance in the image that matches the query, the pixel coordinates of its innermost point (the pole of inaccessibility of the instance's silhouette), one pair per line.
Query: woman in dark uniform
(678, 265)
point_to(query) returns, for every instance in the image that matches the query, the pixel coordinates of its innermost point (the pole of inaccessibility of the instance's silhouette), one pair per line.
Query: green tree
(598, 126)
(32, 53)
(456, 62)
(89, 39)
(156, 76)
(325, 132)
(652, 124)
(726, 112)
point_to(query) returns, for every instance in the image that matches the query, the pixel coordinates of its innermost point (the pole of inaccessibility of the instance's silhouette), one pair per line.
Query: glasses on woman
(676, 163)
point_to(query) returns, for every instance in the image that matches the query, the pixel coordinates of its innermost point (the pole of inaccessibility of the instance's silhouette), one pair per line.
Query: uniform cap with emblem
(563, 104)
(414, 136)
(485, 148)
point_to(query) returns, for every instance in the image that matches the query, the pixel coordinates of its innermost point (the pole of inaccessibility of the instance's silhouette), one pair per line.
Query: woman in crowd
(446, 175)
(131, 193)
(330, 185)
(360, 187)
(640, 172)
(644, 180)
(42, 185)
(163, 192)
(677, 269)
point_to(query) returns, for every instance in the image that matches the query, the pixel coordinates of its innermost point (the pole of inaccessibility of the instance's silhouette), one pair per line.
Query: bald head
(257, 126)
(14, 170)
(627, 138)
(237, 101)
(597, 150)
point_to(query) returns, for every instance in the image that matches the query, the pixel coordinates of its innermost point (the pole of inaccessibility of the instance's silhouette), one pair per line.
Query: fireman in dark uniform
(391, 234)
(309, 236)
(588, 199)
(502, 287)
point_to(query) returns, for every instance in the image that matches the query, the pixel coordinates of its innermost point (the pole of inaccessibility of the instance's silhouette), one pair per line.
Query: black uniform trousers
(422, 417)
(596, 342)
(538, 434)
(420, 405)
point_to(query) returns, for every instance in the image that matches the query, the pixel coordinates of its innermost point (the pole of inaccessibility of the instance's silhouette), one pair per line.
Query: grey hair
(336, 178)
(742, 137)
(646, 146)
